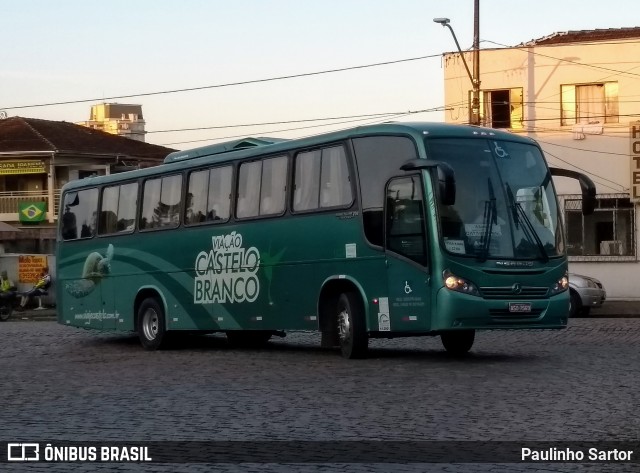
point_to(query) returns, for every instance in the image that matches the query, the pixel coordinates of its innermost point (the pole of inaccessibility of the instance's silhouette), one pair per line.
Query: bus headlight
(455, 283)
(560, 285)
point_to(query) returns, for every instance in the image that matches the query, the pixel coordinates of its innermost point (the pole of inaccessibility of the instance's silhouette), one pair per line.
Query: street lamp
(475, 96)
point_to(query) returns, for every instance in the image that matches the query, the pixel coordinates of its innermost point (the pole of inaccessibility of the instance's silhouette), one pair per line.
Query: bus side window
(405, 219)
(108, 222)
(81, 206)
(69, 226)
(335, 180)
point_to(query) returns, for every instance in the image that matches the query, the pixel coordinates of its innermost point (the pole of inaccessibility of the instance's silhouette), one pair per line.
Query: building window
(589, 103)
(501, 108)
(608, 233)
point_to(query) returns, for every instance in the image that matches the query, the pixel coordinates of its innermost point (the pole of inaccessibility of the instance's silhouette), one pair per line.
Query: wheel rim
(150, 323)
(344, 325)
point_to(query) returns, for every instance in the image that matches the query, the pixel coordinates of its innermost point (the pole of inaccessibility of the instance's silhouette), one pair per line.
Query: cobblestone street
(62, 383)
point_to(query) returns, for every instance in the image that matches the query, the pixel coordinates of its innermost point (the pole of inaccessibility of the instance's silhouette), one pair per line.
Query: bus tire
(151, 324)
(458, 342)
(352, 329)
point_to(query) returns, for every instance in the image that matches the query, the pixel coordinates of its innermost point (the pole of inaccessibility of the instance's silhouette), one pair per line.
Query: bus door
(406, 255)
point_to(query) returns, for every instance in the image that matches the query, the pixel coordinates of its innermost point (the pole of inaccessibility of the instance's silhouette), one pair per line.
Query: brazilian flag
(32, 211)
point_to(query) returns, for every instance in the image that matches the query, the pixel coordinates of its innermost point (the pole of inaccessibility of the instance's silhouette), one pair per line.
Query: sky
(91, 52)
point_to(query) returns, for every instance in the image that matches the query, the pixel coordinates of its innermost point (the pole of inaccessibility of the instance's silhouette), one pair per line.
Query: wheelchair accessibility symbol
(407, 288)
(500, 152)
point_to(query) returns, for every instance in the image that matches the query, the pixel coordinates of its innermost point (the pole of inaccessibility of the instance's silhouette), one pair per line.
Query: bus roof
(220, 148)
(248, 148)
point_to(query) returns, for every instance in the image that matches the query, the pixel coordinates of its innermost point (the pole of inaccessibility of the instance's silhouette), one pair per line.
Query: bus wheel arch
(342, 318)
(150, 319)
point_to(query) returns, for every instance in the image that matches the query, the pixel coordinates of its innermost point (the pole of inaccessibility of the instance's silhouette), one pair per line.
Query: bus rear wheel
(458, 342)
(151, 325)
(352, 330)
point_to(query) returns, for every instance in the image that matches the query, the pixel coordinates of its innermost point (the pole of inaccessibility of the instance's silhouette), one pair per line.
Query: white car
(586, 292)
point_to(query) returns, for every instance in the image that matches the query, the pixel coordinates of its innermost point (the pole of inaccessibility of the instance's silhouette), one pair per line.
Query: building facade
(578, 94)
(118, 119)
(37, 157)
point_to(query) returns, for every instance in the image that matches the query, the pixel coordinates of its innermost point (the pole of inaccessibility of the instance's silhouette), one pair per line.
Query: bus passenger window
(219, 199)
(322, 179)
(161, 202)
(69, 226)
(81, 209)
(209, 195)
(335, 180)
(196, 204)
(262, 187)
(307, 184)
(273, 188)
(249, 189)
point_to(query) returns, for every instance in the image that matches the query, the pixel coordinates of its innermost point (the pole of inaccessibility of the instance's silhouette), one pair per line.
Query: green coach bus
(381, 231)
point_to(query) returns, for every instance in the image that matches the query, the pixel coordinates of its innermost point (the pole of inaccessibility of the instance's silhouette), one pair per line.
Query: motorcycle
(8, 302)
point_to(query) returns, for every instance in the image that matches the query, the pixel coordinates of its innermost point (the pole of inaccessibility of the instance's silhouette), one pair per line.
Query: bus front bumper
(456, 311)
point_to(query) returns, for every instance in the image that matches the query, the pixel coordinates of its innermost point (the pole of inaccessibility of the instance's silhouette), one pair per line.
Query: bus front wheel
(352, 330)
(151, 328)
(458, 342)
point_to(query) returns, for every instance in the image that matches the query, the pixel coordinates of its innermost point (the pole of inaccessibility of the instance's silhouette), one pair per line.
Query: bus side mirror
(445, 177)
(446, 184)
(586, 185)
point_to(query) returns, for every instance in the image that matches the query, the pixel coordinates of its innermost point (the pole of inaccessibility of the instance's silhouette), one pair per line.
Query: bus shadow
(219, 342)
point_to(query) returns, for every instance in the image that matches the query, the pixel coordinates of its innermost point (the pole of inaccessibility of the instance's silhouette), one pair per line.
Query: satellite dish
(3, 114)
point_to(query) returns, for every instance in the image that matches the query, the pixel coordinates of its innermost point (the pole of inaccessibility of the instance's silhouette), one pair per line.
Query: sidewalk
(609, 310)
(613, 309)
(48, 313)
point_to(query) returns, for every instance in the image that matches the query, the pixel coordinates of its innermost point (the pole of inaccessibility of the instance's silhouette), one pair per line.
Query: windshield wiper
(530, 232)
(490, 218)
(512, 205)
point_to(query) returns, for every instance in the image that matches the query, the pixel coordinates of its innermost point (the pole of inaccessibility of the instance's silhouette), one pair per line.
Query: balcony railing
(9, 203)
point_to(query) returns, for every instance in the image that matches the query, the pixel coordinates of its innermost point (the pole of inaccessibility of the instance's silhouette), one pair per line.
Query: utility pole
(475, 99)
(474, 117)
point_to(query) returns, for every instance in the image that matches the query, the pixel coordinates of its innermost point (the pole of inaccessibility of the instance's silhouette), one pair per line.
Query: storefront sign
(634, 134)
(30, 267)
(32, 211)
(22, 167)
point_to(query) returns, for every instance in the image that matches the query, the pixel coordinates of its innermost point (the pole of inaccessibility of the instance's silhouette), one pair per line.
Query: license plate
(519, 306)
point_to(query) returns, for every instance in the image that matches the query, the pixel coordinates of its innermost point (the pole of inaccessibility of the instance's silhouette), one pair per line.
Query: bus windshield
(505, 203)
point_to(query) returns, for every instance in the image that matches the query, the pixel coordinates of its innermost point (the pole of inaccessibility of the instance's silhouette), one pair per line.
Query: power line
(584, 149)
(229, 84)
(595, 176)
(280, 131)
(563, 60)
(396, 115)
(372, 115)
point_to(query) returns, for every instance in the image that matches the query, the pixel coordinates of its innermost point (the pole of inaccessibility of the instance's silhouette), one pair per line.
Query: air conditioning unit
(611, 247)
